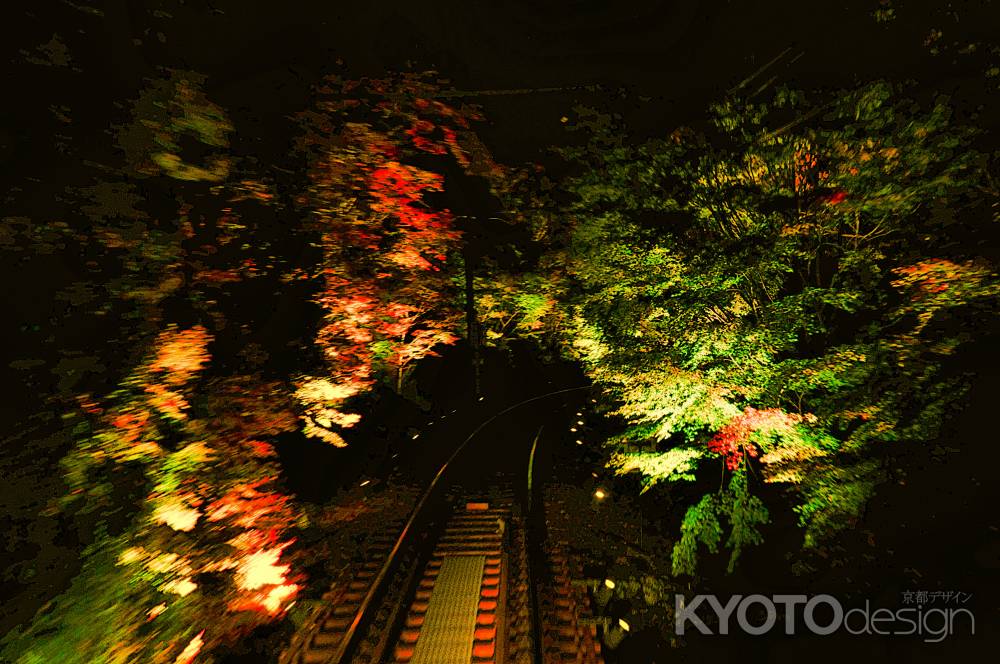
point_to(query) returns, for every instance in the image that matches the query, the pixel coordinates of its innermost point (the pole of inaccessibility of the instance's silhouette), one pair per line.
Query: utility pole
(471, 320)
(469, 195)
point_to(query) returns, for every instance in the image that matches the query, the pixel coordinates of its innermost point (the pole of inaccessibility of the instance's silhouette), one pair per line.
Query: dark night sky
(261, 57)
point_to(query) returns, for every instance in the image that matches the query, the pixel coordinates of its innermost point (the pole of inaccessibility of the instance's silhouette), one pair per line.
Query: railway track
(461, 593)
(453, 583)
(462, 590)
(567, 634)
(323, 637)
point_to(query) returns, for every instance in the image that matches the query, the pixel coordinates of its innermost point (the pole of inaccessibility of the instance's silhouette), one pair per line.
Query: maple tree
(207, 554)
(202, 562)
(775, 292)
(773, 297)
(198, 557)
(389, 256)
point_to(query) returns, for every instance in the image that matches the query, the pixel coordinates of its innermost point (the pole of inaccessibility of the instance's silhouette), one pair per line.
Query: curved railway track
(454, 582)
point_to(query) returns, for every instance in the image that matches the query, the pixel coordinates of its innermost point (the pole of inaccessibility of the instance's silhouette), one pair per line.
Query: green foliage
(833, 498)
(746, 512)
(702, 525)
(780, 287)
(509, 305)
(168, 110)
(92, 622)
(674, 464)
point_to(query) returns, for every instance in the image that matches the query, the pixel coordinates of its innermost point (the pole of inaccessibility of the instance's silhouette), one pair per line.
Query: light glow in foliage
(191, 650)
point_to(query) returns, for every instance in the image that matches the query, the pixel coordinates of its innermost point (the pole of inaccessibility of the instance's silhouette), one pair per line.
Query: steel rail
(351, 634)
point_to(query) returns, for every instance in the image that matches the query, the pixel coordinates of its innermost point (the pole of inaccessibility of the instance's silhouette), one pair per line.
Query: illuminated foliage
(673, 464)
(733, 441)
(703, 524)
(213, 514)
(514, 306)
(169, 110)
(174, 476)
(388, 293)
(775, 292)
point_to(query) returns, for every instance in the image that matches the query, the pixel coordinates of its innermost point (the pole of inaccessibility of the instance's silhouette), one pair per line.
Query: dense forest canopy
(772, 296)
(779, 295)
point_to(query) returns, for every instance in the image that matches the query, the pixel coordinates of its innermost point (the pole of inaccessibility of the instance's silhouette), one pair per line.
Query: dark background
(656, 63)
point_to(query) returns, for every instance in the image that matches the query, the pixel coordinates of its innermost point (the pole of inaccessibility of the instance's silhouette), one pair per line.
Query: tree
(389, 256)
(776, 292)
(202, 561)
(198, 557)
